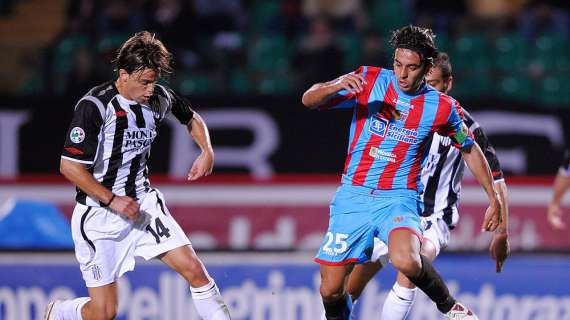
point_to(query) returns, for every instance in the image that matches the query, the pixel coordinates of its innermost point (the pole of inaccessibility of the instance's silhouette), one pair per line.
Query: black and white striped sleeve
(180, 107)
(485, 145)
(82, 138)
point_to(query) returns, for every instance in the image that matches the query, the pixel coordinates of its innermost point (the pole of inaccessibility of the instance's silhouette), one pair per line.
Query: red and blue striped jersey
(390, 130)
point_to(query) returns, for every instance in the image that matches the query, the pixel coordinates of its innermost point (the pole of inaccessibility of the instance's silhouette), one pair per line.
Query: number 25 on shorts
(337, 240)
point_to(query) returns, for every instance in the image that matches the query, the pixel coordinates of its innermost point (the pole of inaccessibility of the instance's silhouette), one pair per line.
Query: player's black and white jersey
(565, 167)
(112, 136)
(443, 171)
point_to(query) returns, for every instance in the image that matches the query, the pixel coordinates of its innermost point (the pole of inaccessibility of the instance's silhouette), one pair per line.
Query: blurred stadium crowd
(515, 50)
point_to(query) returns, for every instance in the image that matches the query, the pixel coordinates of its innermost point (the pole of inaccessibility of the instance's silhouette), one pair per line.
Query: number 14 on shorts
(335, 243)
(161, 230)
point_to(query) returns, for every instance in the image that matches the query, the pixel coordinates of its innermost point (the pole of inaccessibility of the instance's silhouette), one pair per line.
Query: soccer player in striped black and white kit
(394, 114)
(118, 214)
(441, 176)
(561, 185)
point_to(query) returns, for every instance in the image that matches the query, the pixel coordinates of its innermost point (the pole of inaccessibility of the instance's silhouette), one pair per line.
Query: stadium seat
(552, 51)
(388, 15)
(195, 84)
(350, 44)
(510, 53)
(240, 82)
(273, 84)
(262, 15)
(553, 91)
(470, 53)
(472, 84)
(269, 53)
(516, 87)
(65, 51)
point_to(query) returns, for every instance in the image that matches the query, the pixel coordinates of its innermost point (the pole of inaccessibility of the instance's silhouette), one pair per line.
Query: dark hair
(142, 51)
(418, 39)
(442, 61)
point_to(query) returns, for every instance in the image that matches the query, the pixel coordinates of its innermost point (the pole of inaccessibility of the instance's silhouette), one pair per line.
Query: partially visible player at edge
(394, 114)
(442, 175)
(118, 214)
(559, 188)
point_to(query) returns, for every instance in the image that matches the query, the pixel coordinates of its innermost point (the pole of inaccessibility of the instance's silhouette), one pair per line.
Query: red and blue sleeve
(457, 130)
(343, 99)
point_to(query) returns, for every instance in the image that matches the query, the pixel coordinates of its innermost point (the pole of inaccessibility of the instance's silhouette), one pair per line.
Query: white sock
(398, 303)
(71, 309)
(209, 303)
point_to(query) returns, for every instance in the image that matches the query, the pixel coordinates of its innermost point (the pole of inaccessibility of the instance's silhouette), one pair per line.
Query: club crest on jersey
(379, 126)
(77, 135)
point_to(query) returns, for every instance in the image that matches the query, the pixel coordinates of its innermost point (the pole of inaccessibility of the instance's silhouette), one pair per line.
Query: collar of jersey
(131, 102)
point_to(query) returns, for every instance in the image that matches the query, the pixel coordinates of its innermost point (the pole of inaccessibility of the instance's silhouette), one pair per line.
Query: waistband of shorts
(381, 192)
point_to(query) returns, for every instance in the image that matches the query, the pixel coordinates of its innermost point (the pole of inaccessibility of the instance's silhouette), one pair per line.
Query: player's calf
(339, 309)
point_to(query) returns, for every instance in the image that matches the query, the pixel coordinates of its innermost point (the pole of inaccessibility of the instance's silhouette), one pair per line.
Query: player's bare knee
(331, 292)
(354, 290)
(195, 274)
(408, 264)
(429, 252)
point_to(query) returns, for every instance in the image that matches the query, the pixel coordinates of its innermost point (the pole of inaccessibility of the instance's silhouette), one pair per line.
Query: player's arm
(183, 111)
(79, 153)
(346, 86)
(559, 188)
(204, 164)
(478, 165)
(77, 174)
(499, 247)
(463, 140)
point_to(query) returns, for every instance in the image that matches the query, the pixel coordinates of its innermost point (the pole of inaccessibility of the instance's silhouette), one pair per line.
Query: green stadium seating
(388, 15)
(470, 53)
(274, 84)
(552, 51)
(350, 45)
(554, 91)
(510, 53)
(515, 87)
(195, 84)
(269, 53)
(240, 82)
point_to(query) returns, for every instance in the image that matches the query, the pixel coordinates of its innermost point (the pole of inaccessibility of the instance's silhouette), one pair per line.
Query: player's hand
(351, 82)
(202, 166)
(554, 216)
(126, 206)
(500, 249)
(492, 218)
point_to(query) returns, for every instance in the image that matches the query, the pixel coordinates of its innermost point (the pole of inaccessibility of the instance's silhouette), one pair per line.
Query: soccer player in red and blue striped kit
(395, 112)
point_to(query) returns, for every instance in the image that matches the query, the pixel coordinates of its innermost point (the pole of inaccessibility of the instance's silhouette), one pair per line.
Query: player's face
(409, 70)
(435, 79)
(139, 85)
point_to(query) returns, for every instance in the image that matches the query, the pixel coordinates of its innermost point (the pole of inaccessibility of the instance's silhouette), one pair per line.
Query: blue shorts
(358, 214)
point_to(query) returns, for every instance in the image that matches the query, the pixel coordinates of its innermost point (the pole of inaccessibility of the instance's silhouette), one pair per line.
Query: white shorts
(436, 231)
(106, 243)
